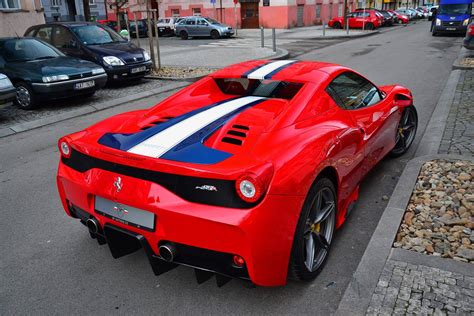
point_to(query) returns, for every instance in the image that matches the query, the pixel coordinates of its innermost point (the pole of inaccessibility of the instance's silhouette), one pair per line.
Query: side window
(201, 22)
(30, 32)
(351, 91)
(190, 21)
(62, 37)
(44, 33)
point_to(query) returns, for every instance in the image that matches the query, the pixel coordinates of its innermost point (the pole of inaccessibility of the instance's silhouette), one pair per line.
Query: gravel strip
(469, 62)
(182, 72)
(439, 219)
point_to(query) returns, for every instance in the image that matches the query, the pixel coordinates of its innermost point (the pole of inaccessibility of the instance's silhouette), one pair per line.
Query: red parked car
(368, 20)
(402, 19)
(246, 173)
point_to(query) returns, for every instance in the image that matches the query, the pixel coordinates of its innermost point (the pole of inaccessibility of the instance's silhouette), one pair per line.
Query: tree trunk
(87, 10)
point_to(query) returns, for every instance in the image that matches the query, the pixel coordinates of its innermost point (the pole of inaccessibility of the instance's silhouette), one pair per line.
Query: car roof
(298, 71)
(67, 24)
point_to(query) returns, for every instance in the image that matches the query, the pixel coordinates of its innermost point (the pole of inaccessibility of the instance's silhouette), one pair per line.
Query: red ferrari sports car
(246, 173)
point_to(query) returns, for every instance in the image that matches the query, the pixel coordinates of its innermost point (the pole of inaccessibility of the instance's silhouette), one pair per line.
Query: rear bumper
(7, 96)
(66, 88)
(262, 235)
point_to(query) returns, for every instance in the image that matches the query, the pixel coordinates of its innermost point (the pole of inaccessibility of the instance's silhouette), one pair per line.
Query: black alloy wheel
(406, 131)
(314, 231)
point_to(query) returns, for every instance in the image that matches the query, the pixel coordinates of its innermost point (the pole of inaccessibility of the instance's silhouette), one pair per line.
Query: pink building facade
(254, 13)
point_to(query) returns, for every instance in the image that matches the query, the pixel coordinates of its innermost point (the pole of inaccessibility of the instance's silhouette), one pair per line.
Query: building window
(91, 2)
(340, 9)
(197, 11)
(330, 11)
(318, 10)
(56, 3)
(174, 13)
(10, 4)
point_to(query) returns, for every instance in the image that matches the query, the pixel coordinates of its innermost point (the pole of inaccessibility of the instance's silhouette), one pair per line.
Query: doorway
(249, 15)
(300, 15)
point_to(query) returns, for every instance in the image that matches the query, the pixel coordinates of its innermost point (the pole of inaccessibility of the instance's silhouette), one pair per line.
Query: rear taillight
(471, 29)
(249, 188)
(64, 147)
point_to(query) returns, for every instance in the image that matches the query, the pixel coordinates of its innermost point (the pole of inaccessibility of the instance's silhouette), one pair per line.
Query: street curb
(356, 298)
(463, 54)
(431, 140)
(18, 128)
(281, 53)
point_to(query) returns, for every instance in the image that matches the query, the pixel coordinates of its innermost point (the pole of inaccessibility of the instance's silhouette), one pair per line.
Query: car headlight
(112, 61)
(5, 83)
(465, 22)
(438, 22)
(98, 71)
(404, 16)
(55, 78)
(146, 56)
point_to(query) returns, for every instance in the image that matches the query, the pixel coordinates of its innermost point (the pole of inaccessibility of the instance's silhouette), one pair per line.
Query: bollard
(324, 29)
(262, 38)
(274, 43)
(347, 26)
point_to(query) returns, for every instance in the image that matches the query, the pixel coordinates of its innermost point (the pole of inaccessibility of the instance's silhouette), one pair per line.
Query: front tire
(369, 26)
(25, 96)
(215, 34)
(406, 131)
(337, 25)
(314, 231)
(183, 35)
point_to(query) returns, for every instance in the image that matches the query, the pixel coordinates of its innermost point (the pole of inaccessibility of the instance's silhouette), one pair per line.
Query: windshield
(96, 35)
(261, 88)
(27, 49)
(212, 21)
(453, 9)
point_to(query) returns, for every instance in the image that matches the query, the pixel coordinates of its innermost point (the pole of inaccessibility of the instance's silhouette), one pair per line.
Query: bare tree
(87, 10)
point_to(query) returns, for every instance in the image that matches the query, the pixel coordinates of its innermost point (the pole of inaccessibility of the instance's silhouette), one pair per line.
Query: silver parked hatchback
(196, 26)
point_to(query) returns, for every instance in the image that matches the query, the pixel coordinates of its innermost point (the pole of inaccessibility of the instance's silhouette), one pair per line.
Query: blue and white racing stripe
(181, 138)
(266, 71)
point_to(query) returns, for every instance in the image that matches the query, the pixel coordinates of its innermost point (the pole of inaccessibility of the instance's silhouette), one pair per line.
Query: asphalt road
(49, 265)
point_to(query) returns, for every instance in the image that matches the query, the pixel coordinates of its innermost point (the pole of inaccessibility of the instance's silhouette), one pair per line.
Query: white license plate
(161, 28)
(138, 69)
(125, 214)
(84, 85)
(451, 29)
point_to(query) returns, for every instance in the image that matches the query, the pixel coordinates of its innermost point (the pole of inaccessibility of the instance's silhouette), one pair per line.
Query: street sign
(236, 1)
(213, 2)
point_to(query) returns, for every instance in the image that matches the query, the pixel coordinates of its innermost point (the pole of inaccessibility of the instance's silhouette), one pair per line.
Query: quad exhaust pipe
(167, 252)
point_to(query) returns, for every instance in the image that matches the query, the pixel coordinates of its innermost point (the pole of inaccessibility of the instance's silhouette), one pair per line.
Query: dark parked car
(469, 39)
(91, 41)
(388, 18)
(142, 28)
(39, 71)
(7, 91)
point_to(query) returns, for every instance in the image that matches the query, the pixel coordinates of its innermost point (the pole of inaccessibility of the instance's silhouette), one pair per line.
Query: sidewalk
(420, 259)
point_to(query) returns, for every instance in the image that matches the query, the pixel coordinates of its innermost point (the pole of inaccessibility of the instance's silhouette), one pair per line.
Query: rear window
(259, 88)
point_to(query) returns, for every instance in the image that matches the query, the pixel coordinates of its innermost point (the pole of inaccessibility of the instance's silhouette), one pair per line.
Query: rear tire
(314, 231)
(406, 131)
(337, 25)
(369, 26)
(215, 34)
(25, 96)
(183, 35)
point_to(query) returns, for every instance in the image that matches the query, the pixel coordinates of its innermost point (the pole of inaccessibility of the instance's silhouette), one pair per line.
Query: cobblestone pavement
(459, 133)
(405, 288)
(12, 115)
